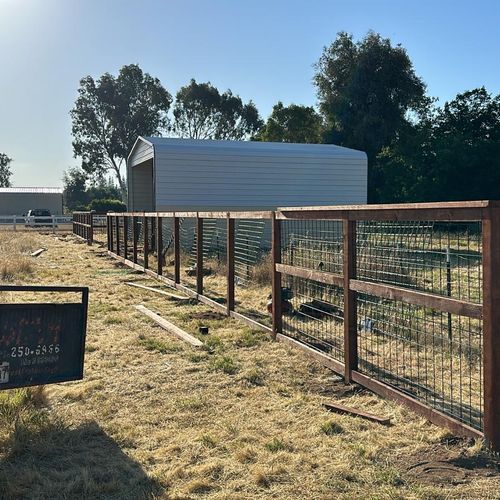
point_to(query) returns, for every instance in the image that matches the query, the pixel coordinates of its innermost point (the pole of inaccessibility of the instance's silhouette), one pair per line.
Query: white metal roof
(33, 190)
(254, 148)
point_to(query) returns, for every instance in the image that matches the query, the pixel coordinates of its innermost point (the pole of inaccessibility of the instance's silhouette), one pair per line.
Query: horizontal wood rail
(311, 274)
(458, 211)
(410, 296)
(203, 215)
(418, 298)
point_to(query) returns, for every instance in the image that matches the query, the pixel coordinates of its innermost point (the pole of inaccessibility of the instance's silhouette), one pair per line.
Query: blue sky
(261, 50)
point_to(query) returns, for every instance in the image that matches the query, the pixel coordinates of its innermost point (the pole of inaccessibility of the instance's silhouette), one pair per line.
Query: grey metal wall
(20, 203)
(220, 175)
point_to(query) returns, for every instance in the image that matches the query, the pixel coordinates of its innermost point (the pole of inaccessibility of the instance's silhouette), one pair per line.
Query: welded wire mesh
(437, 257)
(100, 228)
(434, 356)
(313, 313)
(214, 259)
(412, 348)
(187, 234)
(253, 268)
(312, 244)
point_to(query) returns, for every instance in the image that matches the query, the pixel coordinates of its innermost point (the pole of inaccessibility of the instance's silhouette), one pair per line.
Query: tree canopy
(452, 155)
(5, 171)
(110, 113)
(82, 192)
(293, 123)
(366, 91)
(202, 112)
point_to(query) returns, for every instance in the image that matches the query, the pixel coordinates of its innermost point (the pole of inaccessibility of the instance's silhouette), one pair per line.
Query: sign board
(42, 343)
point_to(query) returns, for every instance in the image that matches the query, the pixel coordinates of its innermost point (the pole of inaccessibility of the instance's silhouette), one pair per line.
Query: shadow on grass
(51, 461)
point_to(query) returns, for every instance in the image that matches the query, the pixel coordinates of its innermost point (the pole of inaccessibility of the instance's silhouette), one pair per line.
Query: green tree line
(369, 97)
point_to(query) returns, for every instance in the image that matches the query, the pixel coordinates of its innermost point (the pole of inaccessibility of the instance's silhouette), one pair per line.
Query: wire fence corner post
(276, 284)
(230, 264)
(199, 255)
(491, 327)
(350, 299)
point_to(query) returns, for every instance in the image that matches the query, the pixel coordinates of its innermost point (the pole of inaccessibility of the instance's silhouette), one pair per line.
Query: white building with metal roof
(190, 175)
(18, 200)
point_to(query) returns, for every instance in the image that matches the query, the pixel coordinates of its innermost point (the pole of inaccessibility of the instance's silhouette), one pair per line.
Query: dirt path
(239, 418)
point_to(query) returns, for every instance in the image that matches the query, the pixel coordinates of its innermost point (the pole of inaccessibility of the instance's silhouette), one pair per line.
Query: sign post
(42, 343)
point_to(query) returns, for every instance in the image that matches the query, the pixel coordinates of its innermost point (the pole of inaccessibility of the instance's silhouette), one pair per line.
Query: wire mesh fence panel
(312, 244)
(187, 233)
(313, 311)
(140, 229)
(313, 314)
(411, 347)
(215, 259)
(253, 269)
(438, 257)
(167, 246)
(100, 228)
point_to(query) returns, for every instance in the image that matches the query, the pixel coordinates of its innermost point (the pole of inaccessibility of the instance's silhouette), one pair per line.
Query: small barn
(166, 174)
(18, 200)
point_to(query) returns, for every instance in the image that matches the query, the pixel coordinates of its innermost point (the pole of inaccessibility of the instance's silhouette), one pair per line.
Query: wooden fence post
(199, 255)
(125, 236)
(491, 327)
(177, 250)
(159, 246)
(350, 299)
(276, 284)
(146, 241)
(117, 223)
(108, 236)
(230, 265)
(134, 239)
(91, 228)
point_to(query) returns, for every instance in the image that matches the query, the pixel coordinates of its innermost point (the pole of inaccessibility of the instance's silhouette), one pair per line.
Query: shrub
(102, 206)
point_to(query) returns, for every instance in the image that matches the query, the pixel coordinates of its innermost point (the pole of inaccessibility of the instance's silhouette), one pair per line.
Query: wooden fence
(402, 299)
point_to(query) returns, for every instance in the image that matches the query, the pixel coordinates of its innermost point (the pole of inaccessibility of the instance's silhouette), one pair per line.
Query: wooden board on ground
(171, 296)
(36, 253)
(170, 327)
(338, 408)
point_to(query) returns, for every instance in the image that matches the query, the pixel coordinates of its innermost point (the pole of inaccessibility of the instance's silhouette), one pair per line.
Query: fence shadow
(57, 462)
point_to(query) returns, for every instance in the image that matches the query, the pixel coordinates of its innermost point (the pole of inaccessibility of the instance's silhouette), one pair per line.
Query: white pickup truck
(39, 217)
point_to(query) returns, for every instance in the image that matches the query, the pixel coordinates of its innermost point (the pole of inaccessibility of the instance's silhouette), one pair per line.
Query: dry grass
(240, 419)
(16, 264)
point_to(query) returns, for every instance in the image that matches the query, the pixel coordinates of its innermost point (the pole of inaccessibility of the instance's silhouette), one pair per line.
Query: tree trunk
(121, 182)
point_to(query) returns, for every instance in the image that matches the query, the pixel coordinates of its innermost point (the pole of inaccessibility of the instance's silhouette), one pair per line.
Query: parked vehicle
(39, 217)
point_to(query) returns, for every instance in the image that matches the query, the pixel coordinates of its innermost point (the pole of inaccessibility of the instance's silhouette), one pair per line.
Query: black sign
(42, 343)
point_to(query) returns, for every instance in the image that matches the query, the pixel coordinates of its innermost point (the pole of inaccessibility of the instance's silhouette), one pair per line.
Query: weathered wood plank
(415, 297)
(38, 252)
(311, 274)
(170, 327)
(171, 296)
(346, 410)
